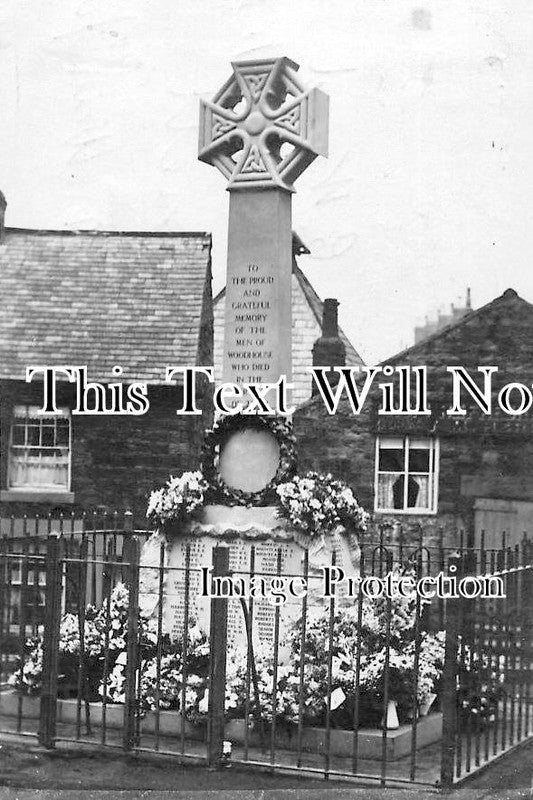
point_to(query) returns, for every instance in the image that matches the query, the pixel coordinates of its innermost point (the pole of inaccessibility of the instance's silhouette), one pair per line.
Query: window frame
(433, 474)
(17, 419)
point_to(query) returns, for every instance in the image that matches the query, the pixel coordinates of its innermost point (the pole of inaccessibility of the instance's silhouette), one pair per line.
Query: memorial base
(170, 722)
(370, 740)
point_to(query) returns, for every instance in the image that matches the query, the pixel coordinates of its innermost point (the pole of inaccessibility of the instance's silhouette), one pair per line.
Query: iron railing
(104, 653)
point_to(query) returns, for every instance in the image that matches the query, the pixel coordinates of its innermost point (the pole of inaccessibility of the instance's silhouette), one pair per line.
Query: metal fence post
(217, 663)
(128, 521)
(449, 691)
(132, 559)
(52, 618)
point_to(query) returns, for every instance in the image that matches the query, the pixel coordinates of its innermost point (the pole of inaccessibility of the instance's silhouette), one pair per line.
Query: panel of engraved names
(266, 559)
(175, 584)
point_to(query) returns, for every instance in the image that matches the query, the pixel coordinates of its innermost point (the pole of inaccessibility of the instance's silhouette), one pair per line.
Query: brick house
(307, 321)
(439, 472)
(141, 301)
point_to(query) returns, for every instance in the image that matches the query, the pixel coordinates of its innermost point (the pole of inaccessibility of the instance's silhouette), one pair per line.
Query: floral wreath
(215, 438)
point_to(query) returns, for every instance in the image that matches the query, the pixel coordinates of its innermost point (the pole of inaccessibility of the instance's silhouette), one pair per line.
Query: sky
(428, 187)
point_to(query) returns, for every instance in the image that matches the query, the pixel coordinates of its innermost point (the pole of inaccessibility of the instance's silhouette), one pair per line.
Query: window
(39, 452)
(406, 475)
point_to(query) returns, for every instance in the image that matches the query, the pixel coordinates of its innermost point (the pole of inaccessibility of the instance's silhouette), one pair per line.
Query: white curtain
(36, 470)
(386, 483)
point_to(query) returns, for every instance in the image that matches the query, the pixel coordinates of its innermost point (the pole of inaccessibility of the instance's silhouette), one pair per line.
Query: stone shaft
(257, 330)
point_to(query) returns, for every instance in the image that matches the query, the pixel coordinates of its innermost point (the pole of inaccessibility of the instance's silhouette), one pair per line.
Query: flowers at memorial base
(69, 635)
(104, 636)
(116, 680)
(480, 679)
(358, 666)
(27, 677)
(162, 686)
(316, 504)
(430, 663)
(173, 675)
(178, 499)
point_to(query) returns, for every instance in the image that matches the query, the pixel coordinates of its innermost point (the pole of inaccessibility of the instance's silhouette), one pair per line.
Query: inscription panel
(257, 326)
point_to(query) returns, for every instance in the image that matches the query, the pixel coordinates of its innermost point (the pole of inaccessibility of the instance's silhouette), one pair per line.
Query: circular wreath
(219, 491)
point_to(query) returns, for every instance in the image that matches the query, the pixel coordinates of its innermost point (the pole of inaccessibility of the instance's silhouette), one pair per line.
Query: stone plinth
(370, 740)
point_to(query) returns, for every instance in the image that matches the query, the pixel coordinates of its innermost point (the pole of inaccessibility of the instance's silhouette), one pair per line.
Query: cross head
(263, 129)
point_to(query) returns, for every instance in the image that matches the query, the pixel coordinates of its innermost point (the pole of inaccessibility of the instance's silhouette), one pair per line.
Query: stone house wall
(116, 461)
(489, 456)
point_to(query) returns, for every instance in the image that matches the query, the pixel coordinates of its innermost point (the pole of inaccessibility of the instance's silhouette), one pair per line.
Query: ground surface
(27, 771)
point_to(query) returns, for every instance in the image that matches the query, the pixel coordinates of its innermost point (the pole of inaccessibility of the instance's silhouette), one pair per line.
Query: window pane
(391, 460)
(398, 492)
(48, 436)
(18, 434)
(419, 492)
(62, 436)
(385, 496)
(33, 435)
(418, 459)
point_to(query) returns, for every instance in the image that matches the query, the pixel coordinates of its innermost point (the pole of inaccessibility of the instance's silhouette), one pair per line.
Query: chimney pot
(329, 349)
(330, 321)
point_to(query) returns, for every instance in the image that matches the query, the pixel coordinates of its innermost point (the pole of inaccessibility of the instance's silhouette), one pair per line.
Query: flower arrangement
(358, 660)
(178, 499)
(316, 504)
(171, 677)
(105, 629)
(105, 632)
(480, 680)
(27, 677)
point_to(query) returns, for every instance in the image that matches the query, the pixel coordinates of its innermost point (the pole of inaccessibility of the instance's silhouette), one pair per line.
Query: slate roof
(102, 298)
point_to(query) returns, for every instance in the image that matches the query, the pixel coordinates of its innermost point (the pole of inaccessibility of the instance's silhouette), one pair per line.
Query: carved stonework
(260, 108)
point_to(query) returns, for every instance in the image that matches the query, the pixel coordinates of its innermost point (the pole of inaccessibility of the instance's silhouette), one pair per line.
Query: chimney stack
(3, 205)
(329, 349)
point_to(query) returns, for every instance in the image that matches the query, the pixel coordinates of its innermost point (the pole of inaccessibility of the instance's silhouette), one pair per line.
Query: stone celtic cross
(261, 130)
(259, 109)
